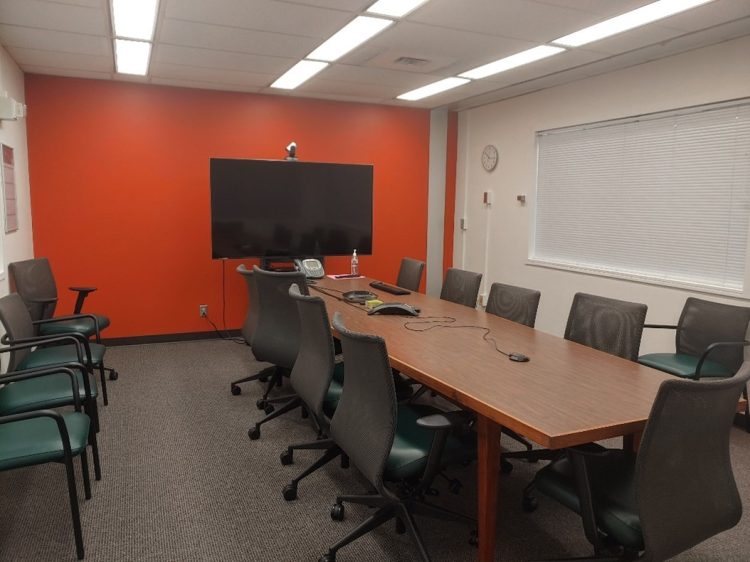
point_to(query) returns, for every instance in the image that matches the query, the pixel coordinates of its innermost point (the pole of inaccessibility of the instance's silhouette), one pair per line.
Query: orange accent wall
(451, 157)
(120, 189)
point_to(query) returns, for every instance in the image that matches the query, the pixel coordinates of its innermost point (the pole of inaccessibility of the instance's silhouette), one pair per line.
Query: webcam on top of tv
(291, 151)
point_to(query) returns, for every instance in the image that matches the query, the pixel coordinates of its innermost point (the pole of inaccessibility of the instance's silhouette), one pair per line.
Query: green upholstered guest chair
(317, 381)
(34, 281)
(277, 335)
(398, 449)
(42, 436)
(50, 350)
(248, 328)
(461, 287)
(709, 342)
(410, 274)
(675, 493)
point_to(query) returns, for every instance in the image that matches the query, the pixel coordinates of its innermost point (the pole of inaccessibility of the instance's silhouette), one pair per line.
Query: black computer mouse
(520, 357)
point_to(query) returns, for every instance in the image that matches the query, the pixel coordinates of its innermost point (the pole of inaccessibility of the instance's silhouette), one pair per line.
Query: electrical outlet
(203, 310)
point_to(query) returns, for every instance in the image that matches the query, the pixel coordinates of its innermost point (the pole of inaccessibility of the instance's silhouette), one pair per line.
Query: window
(663, 198)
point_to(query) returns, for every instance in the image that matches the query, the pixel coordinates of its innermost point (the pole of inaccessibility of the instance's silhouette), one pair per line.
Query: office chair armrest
(585, 497)
(93, 318)
(660, 326)
(42, 301)
(83, 292)
(27, 374)
(56, 369)
(56, 416)
(447, 420)
(27, 343)
(713, 346)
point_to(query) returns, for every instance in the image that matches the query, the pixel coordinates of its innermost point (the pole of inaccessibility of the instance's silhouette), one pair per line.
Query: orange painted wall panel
(120, 189)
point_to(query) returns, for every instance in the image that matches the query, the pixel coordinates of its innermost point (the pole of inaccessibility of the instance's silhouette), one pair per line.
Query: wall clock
(489, 157)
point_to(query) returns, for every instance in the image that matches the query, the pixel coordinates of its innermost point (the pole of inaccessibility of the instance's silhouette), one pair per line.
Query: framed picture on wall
(9, 190)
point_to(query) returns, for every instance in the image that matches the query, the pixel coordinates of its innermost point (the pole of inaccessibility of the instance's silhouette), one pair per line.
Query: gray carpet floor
(182, 482)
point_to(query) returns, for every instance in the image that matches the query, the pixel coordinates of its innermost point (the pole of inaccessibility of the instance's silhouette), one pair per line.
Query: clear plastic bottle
(355, 263)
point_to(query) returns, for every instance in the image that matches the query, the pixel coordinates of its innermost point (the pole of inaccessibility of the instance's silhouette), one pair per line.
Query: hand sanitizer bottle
(355, 264)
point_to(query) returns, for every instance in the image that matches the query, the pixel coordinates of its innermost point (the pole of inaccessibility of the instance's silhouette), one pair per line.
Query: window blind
(665, 197)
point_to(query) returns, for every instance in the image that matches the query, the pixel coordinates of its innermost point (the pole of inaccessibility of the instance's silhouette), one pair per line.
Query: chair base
(261, 375)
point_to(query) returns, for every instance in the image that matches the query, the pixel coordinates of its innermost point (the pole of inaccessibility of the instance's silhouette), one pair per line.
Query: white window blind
(663, 197)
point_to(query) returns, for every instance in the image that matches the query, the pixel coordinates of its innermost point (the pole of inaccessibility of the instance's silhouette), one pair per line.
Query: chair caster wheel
(506, 467)
(263, 379)
(474, 538)
(269, 409)
(290, 492)
(529, 504)
(287, 458)
(114, 375)
(455, 486)
(337, 512)
(327, 558)
(400, 527)
(236, 390)
(261, 404)
(254, 433)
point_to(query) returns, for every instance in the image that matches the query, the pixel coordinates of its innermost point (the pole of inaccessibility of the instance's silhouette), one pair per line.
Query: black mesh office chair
(248, 328)
(34, 281)
(317, 381)
(461, 287)
(678, 491)
(389, 443)
(277, 335)
(709, 342)
(410, 274)
(520, 305)
(610, 325)
(513, 303)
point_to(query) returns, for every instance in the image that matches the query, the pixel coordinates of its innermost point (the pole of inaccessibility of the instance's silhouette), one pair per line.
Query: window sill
(639, 278)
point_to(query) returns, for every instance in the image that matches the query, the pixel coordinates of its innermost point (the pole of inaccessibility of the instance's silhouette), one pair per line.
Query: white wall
(715, 73)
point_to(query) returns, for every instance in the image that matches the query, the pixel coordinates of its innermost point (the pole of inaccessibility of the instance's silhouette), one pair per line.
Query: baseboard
(165, 338)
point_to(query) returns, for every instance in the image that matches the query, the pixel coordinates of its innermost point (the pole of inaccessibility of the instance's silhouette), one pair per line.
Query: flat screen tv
(279, 208)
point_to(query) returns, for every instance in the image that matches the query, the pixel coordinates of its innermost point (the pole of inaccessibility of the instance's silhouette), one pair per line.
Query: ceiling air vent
(411, 61)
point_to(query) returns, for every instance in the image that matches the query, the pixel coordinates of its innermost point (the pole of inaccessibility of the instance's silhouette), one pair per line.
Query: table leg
(488, 468)
(632, 442)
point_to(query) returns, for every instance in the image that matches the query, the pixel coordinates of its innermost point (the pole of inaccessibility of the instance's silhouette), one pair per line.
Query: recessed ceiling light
(131, 57)
(395, 8)
(628, 20)
(513, 61)
(434, 88)
(298, 74)
(356, 32)
(135, 19)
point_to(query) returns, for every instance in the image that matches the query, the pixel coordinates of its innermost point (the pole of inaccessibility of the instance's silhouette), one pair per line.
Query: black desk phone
(312, 268)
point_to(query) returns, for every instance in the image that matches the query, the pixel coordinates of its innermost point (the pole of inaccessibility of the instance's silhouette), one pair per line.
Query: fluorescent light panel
(395, 8)
(356, 32)
(513, 61)
(299, 74)
(629, 20)
(135, 19)
(131, 57)
(432, 89)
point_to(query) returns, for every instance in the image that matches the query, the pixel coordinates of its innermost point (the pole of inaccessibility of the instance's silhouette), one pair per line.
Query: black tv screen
(279, 208)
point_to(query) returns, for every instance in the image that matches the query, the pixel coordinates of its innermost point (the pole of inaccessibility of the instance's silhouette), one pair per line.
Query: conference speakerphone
(389, 288)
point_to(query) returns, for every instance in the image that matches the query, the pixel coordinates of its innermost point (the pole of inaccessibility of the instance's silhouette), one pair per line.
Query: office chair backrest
(17, 323)
(276, 337)
(410, 274)
(513, 303)
(251, 318)
(684, 483)
(33, 280)
(313, 370)
(461, 287)
(704, 322)
(364, 423)
(609, 325)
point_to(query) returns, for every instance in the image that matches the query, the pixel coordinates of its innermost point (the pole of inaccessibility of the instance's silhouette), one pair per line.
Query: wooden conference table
(567, 394)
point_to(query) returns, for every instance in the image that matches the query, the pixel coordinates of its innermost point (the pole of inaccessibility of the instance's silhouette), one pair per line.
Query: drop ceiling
(244, 45)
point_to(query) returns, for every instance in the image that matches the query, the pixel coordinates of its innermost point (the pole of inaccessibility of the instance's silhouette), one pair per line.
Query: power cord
(433, 322)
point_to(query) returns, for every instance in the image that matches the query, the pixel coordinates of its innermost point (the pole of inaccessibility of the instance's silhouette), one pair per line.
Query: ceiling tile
(713, 13)
(603, 8)
(71, 61)
(192, 34)
(218, 76)
(334, 97)
(51, 15)
(325, 85)
(188, 56)
(265, 15)
(377, 76)
(33, 69)
(344, 5)
(46, 40)
(203, 85)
